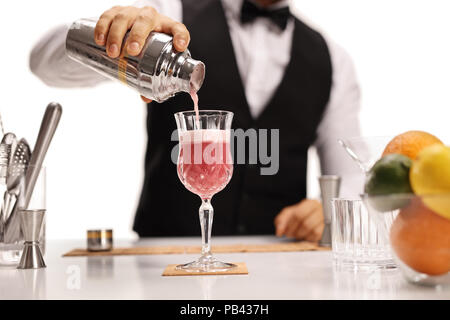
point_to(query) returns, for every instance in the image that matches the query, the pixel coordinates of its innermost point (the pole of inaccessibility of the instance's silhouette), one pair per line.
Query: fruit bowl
(419, 236)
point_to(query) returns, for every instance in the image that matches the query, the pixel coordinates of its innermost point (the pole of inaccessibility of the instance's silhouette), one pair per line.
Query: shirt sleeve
(341, 120)
(49, 62)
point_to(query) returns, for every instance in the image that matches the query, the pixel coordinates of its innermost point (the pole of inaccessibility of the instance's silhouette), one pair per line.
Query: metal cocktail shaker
(158, 73)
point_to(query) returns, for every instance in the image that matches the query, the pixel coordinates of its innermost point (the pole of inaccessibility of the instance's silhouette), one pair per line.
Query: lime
(389, 176)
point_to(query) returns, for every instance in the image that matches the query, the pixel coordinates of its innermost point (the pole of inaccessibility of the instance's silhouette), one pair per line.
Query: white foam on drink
(205, 135)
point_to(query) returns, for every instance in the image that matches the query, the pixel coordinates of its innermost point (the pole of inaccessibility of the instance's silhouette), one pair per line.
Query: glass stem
(206, 214)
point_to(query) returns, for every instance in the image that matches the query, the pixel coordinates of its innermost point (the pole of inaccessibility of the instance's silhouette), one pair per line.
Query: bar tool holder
(329, 189)
(47, 130)
(31, 223)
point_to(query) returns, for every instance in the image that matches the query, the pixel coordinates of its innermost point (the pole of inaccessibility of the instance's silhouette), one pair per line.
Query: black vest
(250, 202)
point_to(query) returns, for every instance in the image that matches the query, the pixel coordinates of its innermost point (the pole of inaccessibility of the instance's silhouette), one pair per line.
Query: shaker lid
(193, 70)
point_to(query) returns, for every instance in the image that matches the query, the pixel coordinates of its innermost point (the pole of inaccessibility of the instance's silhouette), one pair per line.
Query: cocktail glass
(365, 151)
(205, 167)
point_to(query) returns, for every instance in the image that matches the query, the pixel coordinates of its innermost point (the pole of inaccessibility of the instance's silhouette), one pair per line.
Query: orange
(410, 143)
(421, 239)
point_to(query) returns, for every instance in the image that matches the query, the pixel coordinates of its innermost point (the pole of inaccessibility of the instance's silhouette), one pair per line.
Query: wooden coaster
(240, 268)
(234, 248)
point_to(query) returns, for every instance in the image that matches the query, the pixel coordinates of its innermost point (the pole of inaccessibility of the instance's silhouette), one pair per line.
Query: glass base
(10, 254)
(364, 265)
(206, 263)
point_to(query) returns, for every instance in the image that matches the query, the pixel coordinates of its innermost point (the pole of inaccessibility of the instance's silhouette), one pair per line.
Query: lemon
(430, 177)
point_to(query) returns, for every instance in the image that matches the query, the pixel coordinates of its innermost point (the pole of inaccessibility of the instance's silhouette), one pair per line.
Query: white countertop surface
(289, 275)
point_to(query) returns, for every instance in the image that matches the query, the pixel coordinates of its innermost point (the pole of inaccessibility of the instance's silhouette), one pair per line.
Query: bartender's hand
(115, 22)
(302, 221)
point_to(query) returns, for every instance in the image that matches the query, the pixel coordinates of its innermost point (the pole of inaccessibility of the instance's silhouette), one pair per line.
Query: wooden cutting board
(233, 248)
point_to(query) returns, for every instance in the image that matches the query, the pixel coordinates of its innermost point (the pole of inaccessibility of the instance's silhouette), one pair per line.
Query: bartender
(265, 65)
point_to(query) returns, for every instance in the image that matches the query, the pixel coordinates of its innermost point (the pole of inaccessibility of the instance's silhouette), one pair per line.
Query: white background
(95, 163)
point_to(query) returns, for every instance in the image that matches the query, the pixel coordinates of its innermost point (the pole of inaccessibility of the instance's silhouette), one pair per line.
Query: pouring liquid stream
(194, 97)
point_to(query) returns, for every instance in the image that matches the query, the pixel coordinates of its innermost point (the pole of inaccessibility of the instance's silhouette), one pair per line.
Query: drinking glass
(205, 167)
(11, 247)
(358, 240)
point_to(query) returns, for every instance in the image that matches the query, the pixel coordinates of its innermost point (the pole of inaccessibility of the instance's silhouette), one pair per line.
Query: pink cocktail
(205, 167)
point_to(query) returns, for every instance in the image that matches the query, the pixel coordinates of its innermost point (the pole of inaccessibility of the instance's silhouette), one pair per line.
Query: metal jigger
(329, 188)
(31, 222)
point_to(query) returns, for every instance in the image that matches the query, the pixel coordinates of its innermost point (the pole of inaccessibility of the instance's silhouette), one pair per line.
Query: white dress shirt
(256, 44)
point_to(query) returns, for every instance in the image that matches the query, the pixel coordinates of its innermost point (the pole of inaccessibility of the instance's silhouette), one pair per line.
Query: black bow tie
(250, 11)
